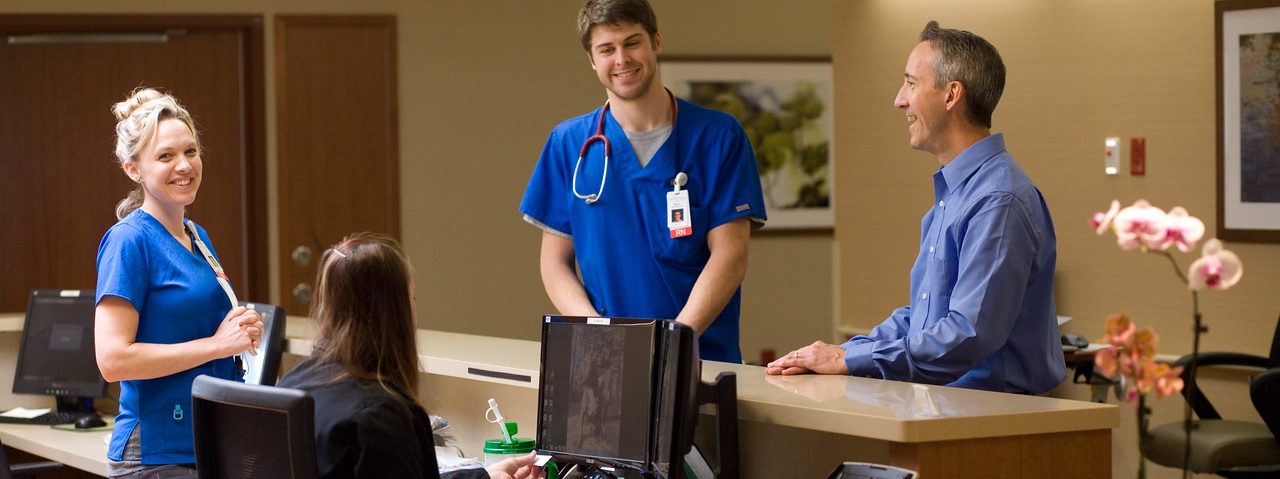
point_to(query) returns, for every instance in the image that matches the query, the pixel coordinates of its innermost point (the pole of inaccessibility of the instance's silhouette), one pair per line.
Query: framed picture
(784, 104)
(1248, 40)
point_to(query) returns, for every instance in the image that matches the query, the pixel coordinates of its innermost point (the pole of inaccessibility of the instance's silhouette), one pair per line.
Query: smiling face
(625, 59)
(170, 169)
(925, 104)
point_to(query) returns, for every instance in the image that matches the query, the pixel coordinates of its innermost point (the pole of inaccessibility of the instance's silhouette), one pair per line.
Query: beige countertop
(864, 407)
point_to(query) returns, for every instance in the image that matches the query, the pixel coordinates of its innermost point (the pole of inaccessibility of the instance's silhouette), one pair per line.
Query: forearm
(560, 277)
(149, 361)
(721, 277)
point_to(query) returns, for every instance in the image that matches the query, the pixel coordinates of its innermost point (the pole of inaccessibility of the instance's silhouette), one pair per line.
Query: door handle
(301, 256)
(302, 293)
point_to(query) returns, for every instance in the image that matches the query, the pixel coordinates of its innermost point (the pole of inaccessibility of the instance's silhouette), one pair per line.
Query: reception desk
(800, 426)
(792, 427)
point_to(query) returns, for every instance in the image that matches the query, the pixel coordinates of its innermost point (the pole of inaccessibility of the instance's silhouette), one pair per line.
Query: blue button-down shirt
(981, 314)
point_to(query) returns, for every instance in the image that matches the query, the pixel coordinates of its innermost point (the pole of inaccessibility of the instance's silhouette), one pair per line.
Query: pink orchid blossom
(1101, 221)
(1138, 224)
(1217, 268)
(1108, 361)
(1168, 381)
(1181, 229)
(1132, 355)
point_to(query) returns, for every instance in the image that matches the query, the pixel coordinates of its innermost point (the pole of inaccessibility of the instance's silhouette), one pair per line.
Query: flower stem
(1142, 435)
(1187, 424)
(1176, 269)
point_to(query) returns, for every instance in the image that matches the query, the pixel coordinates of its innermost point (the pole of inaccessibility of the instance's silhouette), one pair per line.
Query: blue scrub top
(178, 299)
(630, 264)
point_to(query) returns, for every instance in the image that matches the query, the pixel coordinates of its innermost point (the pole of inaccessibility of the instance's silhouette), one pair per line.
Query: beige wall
(1077, 72)
(481, 85)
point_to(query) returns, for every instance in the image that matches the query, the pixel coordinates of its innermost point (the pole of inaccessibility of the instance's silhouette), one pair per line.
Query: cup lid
(516, 446)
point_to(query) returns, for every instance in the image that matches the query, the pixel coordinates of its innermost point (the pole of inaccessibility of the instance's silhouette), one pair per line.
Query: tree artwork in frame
(1248, 39)
(784, 105)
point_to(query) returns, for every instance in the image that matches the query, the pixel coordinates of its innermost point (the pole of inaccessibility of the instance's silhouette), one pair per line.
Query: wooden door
(60, 75)
(338, 138)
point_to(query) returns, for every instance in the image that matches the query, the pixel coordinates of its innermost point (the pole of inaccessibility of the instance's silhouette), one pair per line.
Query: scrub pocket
(686, 251)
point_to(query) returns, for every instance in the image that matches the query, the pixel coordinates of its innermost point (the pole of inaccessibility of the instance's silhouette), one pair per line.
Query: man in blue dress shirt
(981, 314)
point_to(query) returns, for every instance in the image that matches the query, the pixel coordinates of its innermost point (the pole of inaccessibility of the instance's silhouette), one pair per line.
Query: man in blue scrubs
(607, 205)
(981, 314)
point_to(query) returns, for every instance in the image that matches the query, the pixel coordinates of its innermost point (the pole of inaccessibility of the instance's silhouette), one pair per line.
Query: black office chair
(25, 470)
(264, 368)
(1228, 448)
(251, 431)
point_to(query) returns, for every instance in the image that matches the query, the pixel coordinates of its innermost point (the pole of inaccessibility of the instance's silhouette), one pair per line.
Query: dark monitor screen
(617, 393)
(57, 353)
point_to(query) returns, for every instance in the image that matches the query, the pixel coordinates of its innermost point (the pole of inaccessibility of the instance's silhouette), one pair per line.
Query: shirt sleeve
(737, 191)
(122, 265)
(543, 200)
(996, 246)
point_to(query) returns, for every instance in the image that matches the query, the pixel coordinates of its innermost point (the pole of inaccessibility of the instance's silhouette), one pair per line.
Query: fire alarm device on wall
(1137, 156)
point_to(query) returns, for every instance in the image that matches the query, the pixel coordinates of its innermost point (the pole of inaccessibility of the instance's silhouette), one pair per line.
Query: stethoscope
(608, 151)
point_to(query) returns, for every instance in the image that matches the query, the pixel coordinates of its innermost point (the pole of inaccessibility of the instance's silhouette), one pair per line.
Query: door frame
(254, 205)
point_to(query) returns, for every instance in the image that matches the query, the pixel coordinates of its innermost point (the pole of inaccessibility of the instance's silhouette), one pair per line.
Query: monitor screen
(57, 353)
(615, 393)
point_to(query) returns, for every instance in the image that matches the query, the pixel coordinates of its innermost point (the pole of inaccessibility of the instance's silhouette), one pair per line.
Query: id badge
(678, 220)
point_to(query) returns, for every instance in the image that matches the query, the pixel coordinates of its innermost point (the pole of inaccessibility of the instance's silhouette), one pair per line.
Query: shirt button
(924, 295)
(930, 249)
(942, 203)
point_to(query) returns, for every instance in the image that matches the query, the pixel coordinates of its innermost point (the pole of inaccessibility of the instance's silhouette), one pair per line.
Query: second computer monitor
(57, 353)
(618, 393)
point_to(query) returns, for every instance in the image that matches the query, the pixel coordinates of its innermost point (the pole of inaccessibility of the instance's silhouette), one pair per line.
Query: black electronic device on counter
(619, 394)
(56, 357)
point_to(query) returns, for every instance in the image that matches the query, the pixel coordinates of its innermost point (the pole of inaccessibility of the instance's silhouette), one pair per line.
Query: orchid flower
(1137, 224)
(1181, 229)
(1168, 381)
(1101, 221)
(1217, 268)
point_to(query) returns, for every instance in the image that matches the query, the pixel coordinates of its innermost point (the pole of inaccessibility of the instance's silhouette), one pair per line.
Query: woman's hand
(516, 468)
(240, 330)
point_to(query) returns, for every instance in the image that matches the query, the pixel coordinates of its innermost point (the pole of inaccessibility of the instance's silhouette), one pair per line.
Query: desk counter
(795, 426)
(802, 426)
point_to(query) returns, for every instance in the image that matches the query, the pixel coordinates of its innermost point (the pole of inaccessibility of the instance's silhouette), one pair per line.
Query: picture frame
(785, 106)
(1248, 168)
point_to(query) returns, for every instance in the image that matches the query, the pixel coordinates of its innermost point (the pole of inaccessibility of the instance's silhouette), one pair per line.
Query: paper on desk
(25, 413)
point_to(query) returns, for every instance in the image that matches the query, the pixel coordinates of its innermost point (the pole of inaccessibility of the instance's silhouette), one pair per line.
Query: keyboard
(49, 418)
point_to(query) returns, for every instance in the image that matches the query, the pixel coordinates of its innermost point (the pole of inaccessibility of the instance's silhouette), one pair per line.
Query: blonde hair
(138, 117)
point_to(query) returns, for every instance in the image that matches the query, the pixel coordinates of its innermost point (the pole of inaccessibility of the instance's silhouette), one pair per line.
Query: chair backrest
(1273, 361)
(4, 464)
(250, 431)
(264, 367)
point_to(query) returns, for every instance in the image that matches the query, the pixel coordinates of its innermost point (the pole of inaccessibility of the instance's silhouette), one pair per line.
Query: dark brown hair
(611, 12)
(364, 308)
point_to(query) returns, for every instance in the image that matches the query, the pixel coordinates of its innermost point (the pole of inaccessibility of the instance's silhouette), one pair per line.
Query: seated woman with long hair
(363, 370)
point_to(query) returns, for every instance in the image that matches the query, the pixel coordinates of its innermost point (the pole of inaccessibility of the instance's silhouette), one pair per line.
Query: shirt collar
(968, 162)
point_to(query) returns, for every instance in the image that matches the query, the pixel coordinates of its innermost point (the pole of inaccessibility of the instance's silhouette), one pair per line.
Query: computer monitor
(56, 357)
(619, 394)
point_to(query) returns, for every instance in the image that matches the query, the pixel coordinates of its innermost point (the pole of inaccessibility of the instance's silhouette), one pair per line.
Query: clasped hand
(240, 330)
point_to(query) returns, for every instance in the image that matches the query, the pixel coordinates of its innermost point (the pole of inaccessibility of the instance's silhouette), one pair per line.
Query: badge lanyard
(241, 359)
(213, 263)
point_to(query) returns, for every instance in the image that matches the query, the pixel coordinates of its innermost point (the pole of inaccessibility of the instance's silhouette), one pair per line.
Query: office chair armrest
(1265, 393)
(29, 469)
(1199, 403)
(1224, 359)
